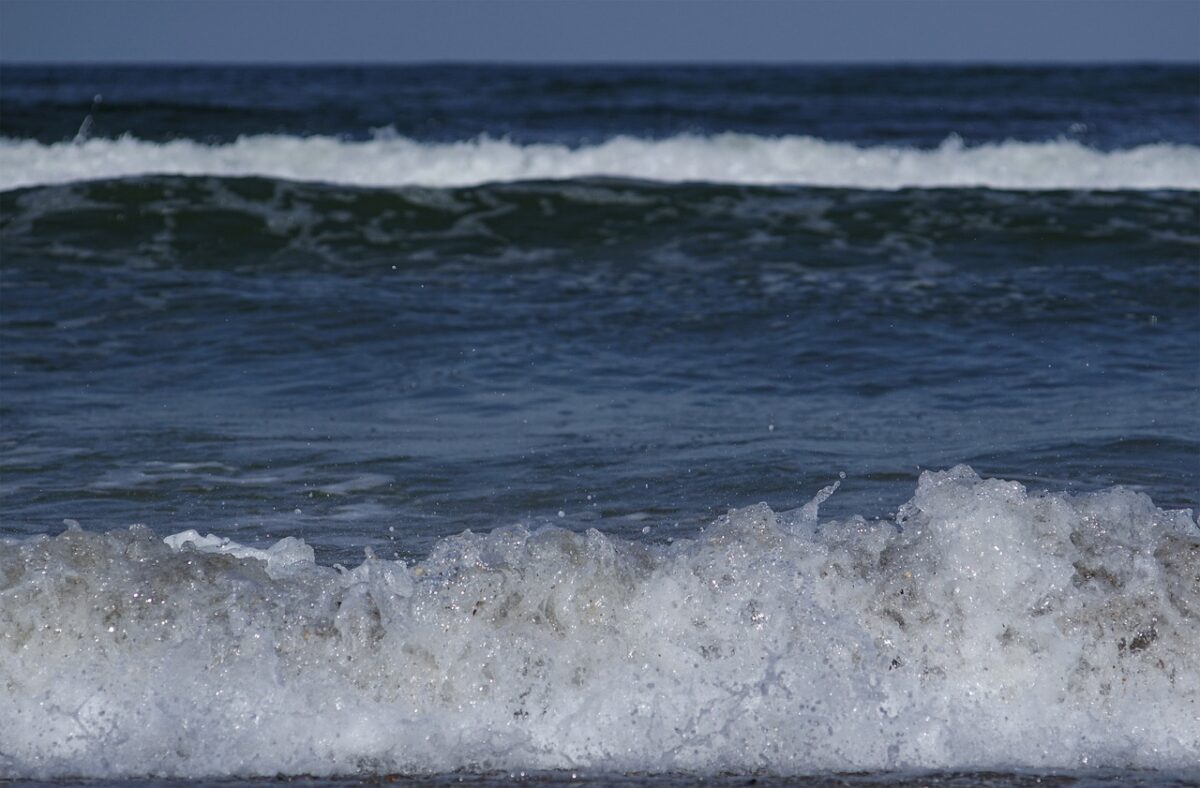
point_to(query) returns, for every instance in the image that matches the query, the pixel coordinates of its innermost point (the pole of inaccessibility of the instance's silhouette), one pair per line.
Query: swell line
(391, 161)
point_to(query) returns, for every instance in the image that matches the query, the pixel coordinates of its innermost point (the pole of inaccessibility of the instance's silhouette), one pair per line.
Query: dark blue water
(217, 353)
(366, 366)
(1106, 107)
(173, 360)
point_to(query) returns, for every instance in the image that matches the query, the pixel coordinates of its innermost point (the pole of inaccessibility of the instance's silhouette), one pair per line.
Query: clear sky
(405, 31)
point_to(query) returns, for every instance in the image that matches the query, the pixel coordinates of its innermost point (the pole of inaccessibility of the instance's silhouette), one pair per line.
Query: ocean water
(607, 424)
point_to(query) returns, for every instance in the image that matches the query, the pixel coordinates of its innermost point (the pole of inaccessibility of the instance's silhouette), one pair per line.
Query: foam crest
(985, 626)
(389, 160)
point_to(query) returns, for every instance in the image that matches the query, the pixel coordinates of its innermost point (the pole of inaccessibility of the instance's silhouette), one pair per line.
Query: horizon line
(451, 62)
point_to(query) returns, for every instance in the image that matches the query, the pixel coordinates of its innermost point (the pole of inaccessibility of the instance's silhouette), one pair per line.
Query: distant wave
(984, 626)
(389, 160)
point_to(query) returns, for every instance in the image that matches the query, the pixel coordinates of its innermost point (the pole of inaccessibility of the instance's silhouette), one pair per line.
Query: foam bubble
(985, 626)
(724, 158)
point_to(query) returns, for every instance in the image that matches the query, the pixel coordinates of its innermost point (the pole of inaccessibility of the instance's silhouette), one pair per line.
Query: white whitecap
(389, 161)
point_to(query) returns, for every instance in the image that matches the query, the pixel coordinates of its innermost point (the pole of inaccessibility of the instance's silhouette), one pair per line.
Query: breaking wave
(390, 160)
(984, 625)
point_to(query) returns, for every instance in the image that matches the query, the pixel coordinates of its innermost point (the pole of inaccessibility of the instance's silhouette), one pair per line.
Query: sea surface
(602, 424)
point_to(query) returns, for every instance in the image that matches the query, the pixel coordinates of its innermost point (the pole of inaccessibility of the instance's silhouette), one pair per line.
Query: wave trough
(984, 626)
(390, 160)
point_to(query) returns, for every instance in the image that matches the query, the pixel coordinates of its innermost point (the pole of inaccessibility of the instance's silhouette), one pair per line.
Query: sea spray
(983, 626)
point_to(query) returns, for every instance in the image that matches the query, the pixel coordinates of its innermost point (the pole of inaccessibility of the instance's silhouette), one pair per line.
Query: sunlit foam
(984, 626)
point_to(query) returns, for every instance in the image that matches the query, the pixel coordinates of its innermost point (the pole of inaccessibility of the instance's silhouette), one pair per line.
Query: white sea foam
(390, 160)
(985, 626)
